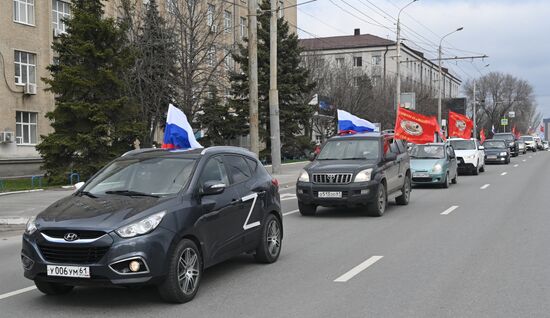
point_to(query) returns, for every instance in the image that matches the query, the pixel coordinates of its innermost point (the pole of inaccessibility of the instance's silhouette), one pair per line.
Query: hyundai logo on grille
(69, 237)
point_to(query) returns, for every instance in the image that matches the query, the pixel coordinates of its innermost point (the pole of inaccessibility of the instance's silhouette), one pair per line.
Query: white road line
(358, 269)
(516, 165)
(485, 186)
(524, 160)
(291, 212)
(17, 292)
(504, 173)
(449, 210)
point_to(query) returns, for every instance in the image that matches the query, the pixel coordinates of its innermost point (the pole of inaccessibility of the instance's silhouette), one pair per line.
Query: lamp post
(440, 75)
(398, 59)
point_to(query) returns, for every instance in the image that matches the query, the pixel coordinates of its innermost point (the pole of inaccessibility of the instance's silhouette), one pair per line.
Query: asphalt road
(478, 249)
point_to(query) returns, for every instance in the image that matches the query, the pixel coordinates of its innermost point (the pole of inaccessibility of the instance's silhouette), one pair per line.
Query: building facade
(27, 30)
(376, 57)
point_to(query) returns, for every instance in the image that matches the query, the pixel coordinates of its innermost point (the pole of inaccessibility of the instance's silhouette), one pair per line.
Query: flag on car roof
(178, 134)
(348, 123)
(482, 135)
(415, 128)
(460, 125)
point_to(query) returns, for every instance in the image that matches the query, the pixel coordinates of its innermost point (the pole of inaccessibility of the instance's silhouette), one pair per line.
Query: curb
(22, 191)
(13, 220)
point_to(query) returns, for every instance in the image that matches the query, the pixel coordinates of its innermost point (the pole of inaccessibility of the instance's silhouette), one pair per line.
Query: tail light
(275, 182)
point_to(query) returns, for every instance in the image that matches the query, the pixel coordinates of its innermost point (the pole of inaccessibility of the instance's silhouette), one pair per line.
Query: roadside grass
(19, 184)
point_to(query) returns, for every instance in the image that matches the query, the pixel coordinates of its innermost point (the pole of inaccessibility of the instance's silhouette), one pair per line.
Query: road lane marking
(485, 186)
(449, 210)
(504, 173)
(288, 196)
(358, 269)
(17, 292)
(291, 212)
(524, 160)
(516, 165)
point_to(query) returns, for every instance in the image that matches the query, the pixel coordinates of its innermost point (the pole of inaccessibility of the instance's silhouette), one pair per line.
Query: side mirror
(212, 187)
(390, 156)
(312, 156)
(79, 185)
(481, 148)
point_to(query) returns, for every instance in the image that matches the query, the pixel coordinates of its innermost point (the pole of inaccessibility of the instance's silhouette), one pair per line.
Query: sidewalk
(290, 173)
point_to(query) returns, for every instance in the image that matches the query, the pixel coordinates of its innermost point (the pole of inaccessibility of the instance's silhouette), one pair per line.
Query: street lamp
(398, 60)
(440, 75)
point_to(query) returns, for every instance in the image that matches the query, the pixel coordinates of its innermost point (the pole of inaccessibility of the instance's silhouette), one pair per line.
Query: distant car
(538, 141)
(496, 151)
(530, 143)
(545, 144)
(469, 154)
(521, 146)
(511, 140)
(434, 164)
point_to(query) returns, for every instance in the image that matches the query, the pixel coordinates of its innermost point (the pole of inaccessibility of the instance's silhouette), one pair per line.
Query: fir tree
(292, 82)
(93, 121)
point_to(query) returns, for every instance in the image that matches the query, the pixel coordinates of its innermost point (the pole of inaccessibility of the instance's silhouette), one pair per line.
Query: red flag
(516, 132)
(413, 127)
(541, 128)
(460, 125)
(482, 135)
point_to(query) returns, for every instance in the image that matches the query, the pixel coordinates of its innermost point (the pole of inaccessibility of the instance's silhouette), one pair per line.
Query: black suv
(511, 142)
(356, 170)
(156, 217)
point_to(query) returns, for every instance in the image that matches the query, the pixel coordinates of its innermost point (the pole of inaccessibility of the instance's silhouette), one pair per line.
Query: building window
(228, 59)
(357, 61)
(60, 11)
(25, 128)
(244, 30)
(211, 56)
(357, 80)
(339, 61)
(23, 11)
(25, 68)
(227, 21)
(210, 15)
(376, 60)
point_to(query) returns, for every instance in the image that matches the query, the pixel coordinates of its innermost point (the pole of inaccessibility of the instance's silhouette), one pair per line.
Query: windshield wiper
(131, 193)
(88, 194)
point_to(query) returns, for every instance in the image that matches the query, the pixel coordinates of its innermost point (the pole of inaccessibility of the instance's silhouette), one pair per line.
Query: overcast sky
(514, 34)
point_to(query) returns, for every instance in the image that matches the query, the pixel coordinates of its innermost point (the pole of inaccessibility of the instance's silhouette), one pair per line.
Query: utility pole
(274, 93)
(398, 59)
(253, 77)
(441, 75)
(475, 110)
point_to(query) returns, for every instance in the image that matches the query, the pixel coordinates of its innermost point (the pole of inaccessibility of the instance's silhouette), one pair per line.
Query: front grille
(460, 160)
(422, 179)
(82, 234)
(73, 254)
(332, 178)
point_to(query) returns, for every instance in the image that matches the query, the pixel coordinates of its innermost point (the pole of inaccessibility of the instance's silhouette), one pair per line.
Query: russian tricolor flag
(350, 123)
(178, 134)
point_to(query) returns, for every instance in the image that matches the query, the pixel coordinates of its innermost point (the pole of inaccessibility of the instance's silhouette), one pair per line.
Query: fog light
(134, 266)
(365, 191)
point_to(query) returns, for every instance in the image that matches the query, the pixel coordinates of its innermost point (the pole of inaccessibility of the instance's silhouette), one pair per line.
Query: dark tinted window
(252, 163)
(238, 168)
(504, 137)
(214, 171)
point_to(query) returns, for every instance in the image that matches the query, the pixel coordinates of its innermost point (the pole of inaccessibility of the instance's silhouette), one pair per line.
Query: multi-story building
(27, 30)
(376, 57)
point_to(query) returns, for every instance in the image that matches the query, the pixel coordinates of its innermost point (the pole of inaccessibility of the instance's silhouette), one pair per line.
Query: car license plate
(329, 194)
(421, 174)
(68, 271)
(491, 157)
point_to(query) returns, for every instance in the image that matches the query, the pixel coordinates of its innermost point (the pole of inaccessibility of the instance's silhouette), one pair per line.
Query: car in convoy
(530, 143)
(469, 154)
(521, 146)
(545, 144)
(434, 164)
(496, 151)
(510, 140)
(157, 217)
(538, 142)
(360, 170)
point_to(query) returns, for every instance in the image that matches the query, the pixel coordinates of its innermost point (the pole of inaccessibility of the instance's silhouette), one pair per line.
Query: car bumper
(432, 178)
(495, 159)
(466, 164)
(353, 194)
(151, 249)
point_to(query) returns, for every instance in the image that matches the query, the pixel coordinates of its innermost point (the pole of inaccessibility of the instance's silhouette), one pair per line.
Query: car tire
(455, 179)
(184, 273)
(378, 207)
(306, 209)
(482, 168)
(405, 197)
(446, 182)
(270, 243)
(475, 171)
(49, 288)
(507, 161)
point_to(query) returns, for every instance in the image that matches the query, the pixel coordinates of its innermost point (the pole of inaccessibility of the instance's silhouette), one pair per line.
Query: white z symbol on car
(254, 197)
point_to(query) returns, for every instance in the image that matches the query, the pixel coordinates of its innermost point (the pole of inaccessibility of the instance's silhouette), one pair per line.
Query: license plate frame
(68, 271)
(330, 194)
(421, 175)
(492, 157)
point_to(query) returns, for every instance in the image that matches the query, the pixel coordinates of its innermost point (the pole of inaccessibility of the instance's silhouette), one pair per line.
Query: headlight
(141, 227)
(503, 153)
(31, 226)
(437, 168)
(363, 176)
(511, 144)
(304, 176)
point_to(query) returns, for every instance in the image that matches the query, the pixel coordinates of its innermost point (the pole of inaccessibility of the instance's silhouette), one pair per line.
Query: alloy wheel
(188, 271)
(273, 237)
(381, 199)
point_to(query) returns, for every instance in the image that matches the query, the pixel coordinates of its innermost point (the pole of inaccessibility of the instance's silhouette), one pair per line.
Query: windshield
(526, 138)
(494, 144)
(463, 144)
(150, 177)
(427, 152)
(368, 149)
(503, 137)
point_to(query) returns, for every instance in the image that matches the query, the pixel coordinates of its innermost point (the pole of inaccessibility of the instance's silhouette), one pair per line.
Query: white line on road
(358, 269)
(449, 210)
(504, 173)
(516, 165)
(291, 212)
(288, 196)
(485, 186)
(524, 160)
(17, 292)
